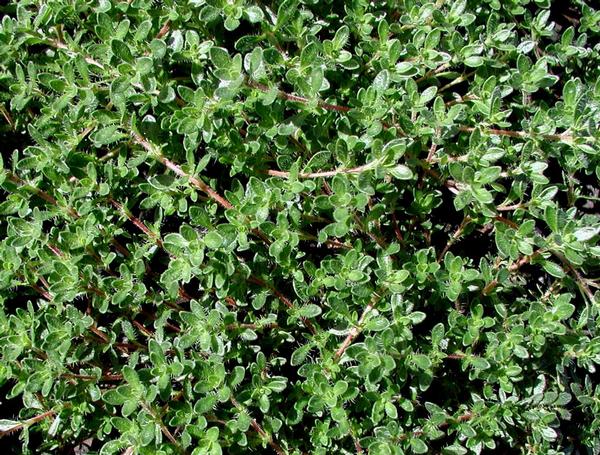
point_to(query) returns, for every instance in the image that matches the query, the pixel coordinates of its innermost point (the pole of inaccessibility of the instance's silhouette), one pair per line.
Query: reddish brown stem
(136, 222)
(456, 356)
(357, 329)
(287, 302)
(6, 114)
(299, 99)
(260, 431)
(397, 228)
(27, 423)
(85, 377)
(163, 428)
(455, 236)
(509, 208)
(506, 221)
(180, 172)
(462, 418)
(41, 194)
(432, 149)
(197, 183)
(164, 29)
(221, 201)
(433, 72)
(42, 292)
(518, 134)
(99, 334)
(314, 175)
(143, 329)
(512, 268)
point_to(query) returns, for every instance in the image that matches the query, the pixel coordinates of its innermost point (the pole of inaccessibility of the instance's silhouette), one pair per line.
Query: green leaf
(474, 61)
(212, 434)
(455, 449)
(381, 81)
(417, 317)
(479, 363)
(8, 425)
(299, 355)
(287, 9)
(309, 54)
(427, 95)
(213, 240)
(254, 14)
(490, 174)
(394, 149)
(121, 50)
(586, 233)
(107, 135)
(564, 310)
(422, 361)
(553, 269)
(173, 242)
(341, 37)
(309, 311)
(113, 397)
(418, 446)
(176, 41)
(219, 57)
(401, 172)
(483, 195)
(166, 95)
(278, 385)
(209, 13)
(551, 217)
(549, 434)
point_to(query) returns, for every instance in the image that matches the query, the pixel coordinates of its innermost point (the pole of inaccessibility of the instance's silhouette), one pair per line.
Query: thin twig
(510, 208)
(164, 29)
(518, 134)
(512, 268)
(137, 222)
(583, 287)
(315, 175)
(462, 418)
(260, 430)
(454, 237)
(41, 194)
(456, 81)
(397, 231)
(358, 328)
(433, 72)
(432, 150)
(163, 428)
(286, 301)
(89, 377)
(299, 99)
(19, 426)
(6, 114)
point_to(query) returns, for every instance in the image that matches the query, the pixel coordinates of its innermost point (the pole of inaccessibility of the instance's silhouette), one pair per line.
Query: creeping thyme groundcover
(299, 227)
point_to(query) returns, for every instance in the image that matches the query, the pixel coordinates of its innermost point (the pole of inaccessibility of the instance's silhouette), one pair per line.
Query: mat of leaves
(299, 227)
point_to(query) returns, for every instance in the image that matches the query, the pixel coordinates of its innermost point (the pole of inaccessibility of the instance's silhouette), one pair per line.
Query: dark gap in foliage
(556, 174)
(565, 14)
(474, 246)
(588, 184)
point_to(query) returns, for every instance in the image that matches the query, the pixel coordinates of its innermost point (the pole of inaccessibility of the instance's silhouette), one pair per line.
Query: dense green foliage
(299, 227)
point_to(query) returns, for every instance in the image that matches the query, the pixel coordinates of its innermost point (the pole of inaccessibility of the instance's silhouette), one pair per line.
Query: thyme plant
(299, 227)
